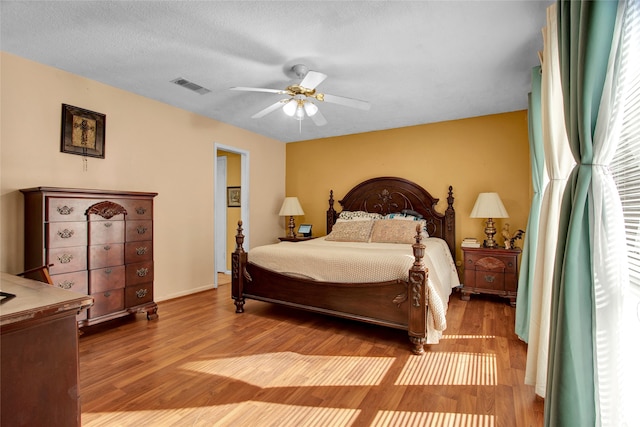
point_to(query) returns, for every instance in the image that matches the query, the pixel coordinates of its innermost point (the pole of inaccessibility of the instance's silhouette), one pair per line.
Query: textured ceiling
(415, 62)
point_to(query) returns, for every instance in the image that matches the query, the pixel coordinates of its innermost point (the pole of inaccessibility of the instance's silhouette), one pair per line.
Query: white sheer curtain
(608, 239)
(558, 162)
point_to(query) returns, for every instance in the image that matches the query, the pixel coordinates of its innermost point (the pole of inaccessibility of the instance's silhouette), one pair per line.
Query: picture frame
(233, 197)
(82, 132)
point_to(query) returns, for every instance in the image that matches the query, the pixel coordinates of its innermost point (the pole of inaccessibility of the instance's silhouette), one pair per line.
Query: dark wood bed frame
(397, 304)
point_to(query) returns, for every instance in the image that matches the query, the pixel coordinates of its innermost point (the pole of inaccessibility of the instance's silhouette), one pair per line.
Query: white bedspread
(350, 262)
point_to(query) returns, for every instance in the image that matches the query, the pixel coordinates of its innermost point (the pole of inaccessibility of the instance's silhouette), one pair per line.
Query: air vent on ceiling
(190, 85)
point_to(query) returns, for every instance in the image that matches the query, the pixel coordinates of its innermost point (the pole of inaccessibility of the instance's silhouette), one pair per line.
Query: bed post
(331, 213)
(450, 223)
(238, 262)
(418, 297)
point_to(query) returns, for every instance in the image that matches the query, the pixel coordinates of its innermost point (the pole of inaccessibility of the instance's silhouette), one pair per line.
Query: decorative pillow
(407, 217)
(391, 231)
(348, 215)
(402, 216)
(350, 231)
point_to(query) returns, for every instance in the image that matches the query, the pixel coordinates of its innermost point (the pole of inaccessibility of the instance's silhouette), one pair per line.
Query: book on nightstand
(470, 242)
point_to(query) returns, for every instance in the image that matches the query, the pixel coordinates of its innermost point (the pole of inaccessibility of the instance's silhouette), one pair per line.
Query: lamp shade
(489, 205)
(291, 206)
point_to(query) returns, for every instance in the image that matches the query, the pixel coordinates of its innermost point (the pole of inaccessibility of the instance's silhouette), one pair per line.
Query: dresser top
(34, 300)
(61, 190)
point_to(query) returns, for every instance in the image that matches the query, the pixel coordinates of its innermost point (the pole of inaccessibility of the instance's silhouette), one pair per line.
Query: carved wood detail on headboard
(390, 195)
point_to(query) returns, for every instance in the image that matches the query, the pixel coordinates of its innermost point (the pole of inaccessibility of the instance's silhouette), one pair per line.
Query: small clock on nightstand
(491, 271)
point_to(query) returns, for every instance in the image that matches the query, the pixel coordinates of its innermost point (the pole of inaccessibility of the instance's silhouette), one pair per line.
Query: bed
(409, 299)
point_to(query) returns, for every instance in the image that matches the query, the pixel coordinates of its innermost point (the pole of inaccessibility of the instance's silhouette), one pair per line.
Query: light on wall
(291, 207)
(489, 205)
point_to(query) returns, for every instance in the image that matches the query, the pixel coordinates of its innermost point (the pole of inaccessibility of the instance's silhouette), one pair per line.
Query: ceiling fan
(299, 102)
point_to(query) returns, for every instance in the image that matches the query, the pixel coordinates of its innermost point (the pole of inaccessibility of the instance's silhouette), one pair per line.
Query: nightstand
(295, 239)
(491, 271)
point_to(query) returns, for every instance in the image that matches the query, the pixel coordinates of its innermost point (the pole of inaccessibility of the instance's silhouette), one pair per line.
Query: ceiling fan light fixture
(300, 112)
(290, 108)
(310, 108)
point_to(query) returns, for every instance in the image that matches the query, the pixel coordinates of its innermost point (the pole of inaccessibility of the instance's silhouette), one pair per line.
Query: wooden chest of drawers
(96, 242)
(491, 271)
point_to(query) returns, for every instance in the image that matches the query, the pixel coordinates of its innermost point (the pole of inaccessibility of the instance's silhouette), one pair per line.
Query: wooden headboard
(387, 195)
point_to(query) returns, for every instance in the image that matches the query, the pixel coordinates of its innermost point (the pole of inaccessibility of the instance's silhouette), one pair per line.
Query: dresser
(95, 242)
(491, 271)
(39, 363)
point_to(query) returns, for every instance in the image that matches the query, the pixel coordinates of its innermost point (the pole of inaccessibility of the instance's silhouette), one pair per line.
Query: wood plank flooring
(201, 364)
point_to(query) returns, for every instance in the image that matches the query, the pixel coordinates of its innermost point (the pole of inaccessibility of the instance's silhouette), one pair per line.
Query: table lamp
(489, 205)
(291, 207)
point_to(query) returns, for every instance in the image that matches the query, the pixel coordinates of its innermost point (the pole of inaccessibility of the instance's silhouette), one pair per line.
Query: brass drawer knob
(64, 210)
(65, 234)
(67, 284)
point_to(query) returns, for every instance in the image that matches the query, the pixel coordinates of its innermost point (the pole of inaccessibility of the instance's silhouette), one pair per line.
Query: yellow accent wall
(233, 213)
(480, 154)
(150, 146)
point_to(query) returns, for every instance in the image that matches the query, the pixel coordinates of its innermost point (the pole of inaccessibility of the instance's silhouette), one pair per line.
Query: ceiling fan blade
(318, 119)
(312, 79)
(348, 102)
(258, 89)
(269, 109)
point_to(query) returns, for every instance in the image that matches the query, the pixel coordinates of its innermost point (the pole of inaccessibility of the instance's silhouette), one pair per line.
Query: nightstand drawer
(489, 280)
(503, 263)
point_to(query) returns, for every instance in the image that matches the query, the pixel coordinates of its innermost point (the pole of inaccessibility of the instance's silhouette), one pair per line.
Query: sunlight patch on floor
(445, 368)
(289, 369)
(431, 419)
(467, 337)
(249, 413)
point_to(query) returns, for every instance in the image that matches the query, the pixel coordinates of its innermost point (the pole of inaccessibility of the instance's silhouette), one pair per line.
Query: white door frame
(220, 213)
(244, 195)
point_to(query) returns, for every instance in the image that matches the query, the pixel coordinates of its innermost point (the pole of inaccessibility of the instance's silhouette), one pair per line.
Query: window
(625, 169)
(626, 163)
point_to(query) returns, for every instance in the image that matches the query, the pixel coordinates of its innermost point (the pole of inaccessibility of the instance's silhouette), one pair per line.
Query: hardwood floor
(201, 364)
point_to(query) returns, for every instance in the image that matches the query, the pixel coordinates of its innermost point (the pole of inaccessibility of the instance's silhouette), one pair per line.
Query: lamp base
(490, 231)
(292, 227)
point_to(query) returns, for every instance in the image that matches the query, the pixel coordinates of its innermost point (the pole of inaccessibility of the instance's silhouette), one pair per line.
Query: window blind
(626, 163)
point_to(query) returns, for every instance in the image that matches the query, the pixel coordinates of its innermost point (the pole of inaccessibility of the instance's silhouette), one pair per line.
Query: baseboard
(185, 293)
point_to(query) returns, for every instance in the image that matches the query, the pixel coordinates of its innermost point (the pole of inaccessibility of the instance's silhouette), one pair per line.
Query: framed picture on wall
(233, 197)
(82, 132)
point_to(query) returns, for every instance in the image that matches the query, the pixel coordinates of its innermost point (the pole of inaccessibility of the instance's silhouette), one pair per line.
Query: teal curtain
(529, 247)
(585, 31)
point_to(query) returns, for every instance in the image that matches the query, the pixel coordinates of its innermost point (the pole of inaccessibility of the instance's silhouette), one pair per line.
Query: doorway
(224, 230)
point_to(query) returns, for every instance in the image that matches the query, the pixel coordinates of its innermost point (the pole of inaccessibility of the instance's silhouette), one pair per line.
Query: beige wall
(150, 146)
(480, 154)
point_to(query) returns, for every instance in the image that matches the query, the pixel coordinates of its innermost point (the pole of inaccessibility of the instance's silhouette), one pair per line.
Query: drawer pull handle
(142, 272)
(107, 294)
(141, 210)
(67, 284)
(141, 293)
(108, 271)
(108, 224)
(489, 279)
(66, 233)
(64, 210)
(141, 250)
(65, 258)
(510, 264)
(107, 247)
(141, 229)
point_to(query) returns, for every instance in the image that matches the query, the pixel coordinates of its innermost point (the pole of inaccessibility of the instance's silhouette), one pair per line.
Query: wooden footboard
(396, 304)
